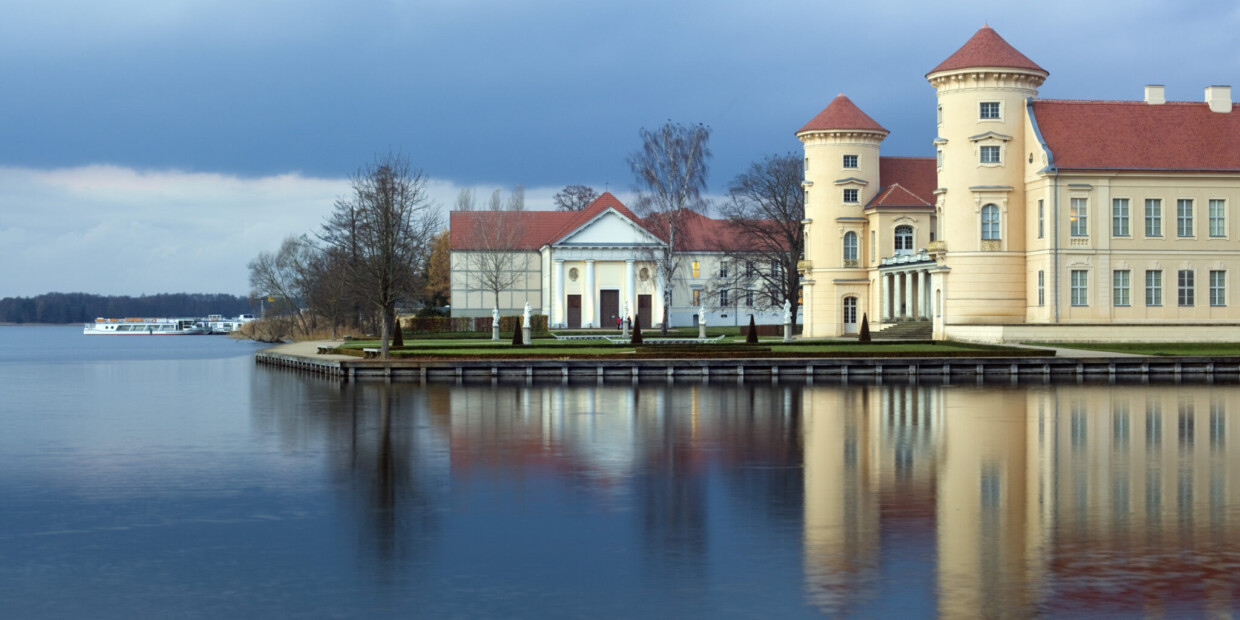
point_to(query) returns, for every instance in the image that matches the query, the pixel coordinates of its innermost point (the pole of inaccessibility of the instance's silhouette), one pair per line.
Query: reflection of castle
(1067, 498)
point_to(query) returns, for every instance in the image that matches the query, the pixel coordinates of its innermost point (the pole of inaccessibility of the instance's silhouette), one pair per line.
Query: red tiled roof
(987, 49)
(1134, 135)
(600, 204)
(897, 196)
(841, 113)
(535, 227)
(907, 182)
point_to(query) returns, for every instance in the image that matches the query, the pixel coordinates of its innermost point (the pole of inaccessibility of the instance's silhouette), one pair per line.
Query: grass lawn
(728, 348)
(1203, 349)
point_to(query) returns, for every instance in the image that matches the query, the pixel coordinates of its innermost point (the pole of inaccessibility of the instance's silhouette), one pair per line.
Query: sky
(157, 146)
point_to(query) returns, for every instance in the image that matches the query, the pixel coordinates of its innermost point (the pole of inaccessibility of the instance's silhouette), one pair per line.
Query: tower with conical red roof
(982, 92)
(841, 177)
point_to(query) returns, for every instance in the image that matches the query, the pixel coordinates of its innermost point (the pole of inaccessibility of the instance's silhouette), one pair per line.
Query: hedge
(481, 324)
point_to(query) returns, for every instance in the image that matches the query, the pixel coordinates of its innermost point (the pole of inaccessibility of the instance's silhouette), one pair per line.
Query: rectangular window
(1119, 218)
(696, 268)
(850, 161)
(1153, 288)
(990, 154)
(989, 110)
(1041, 288)
(1041, 219)
(1080, 217)
(1080, 290)
(1119, 288)
(723, 269)
(806, 165)
(1184, 218)
(777, 270)
(1218, 288)
(749, 299)
(723, 298)
(1153, 217)
(749, 270)
(850, 195)
(1218, 218)
(1184, 287)
(873, 245)
(939, 157)
(697, 297)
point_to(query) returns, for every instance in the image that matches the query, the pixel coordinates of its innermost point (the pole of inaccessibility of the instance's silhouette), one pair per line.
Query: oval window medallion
(572, 274)
(644, 274)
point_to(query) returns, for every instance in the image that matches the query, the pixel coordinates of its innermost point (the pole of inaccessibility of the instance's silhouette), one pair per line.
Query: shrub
(398, 336)
(864, 336)
(517, 339)
(637, 333)
(751, 335)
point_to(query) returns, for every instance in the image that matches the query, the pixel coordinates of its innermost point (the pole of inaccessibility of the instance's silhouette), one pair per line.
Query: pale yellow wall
(468, 300)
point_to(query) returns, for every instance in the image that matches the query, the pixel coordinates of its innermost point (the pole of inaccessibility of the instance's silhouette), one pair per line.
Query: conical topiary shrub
(517, 339)
(398, 338)
(864, 336)
(752, 336)
(636, 338)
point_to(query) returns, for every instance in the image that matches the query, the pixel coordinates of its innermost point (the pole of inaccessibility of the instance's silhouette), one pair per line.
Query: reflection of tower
(988, 522)
(841, 504)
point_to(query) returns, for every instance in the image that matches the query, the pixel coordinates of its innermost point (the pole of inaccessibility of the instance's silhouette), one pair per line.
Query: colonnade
(590, 293)
(905, 295)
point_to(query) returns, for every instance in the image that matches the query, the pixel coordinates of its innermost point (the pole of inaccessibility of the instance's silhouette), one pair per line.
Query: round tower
(982, 93)
(841, 177)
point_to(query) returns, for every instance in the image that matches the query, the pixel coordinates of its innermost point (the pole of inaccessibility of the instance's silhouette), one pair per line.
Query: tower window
(850, 195)
(989, 110)
(850, 161)
(990, 223)
(990, 154)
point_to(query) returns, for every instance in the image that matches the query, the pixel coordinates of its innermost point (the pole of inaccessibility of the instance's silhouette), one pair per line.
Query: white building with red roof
(1036, 219)
(585, 268)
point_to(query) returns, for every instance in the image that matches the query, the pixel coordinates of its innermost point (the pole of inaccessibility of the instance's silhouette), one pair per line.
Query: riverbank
(313, 358)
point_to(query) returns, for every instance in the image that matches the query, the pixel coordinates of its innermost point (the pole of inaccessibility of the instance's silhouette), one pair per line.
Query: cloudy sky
(152, 146)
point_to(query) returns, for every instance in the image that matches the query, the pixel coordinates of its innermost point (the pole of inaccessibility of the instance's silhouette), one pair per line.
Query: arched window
(990, 223)
(850, 249)
(904, 239)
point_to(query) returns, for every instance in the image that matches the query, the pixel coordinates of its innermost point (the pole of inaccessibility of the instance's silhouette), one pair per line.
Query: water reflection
(870, 500)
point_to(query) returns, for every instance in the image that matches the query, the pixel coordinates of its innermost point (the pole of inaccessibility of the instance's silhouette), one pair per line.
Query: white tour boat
(144, 327)
(217, 324)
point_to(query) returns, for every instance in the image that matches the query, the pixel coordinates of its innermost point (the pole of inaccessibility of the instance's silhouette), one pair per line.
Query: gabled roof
(896, 195)
(600, 204)
(907, 182)
(841, 113)
(1134, 135)
(987, 49)
(467, 229)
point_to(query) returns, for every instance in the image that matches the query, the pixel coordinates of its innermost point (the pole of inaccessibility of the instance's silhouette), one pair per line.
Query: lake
(172, 477)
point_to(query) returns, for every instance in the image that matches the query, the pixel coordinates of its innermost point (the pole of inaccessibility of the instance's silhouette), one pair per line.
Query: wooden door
(643, 311)
(609, 308)
(574, 311)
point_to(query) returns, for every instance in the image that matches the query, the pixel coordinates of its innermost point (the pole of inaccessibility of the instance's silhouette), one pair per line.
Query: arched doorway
(850, 315)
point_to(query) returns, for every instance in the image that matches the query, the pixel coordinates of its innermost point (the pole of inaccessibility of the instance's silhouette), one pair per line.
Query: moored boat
(218, 324)
(144, 327)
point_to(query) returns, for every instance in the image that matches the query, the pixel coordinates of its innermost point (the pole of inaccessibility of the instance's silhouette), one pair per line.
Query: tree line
(62, 308)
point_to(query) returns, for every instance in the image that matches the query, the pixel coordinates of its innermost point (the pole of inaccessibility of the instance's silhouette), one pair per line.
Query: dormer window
(989, 110)
(850, 195)
(850, 161)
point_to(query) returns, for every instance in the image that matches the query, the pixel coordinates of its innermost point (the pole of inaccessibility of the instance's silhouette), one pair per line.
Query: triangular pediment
(609, 228)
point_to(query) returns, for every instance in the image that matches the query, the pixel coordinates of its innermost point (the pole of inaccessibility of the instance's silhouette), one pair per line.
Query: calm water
(171, 477)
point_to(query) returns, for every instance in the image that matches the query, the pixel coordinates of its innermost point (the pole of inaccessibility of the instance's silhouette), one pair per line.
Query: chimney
(1219, 98)
(1155, 94)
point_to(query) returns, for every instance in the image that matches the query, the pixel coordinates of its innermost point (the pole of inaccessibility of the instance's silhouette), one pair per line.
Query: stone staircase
(905, 330)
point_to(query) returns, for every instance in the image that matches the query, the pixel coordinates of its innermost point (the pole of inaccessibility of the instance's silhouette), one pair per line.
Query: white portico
(602, 270)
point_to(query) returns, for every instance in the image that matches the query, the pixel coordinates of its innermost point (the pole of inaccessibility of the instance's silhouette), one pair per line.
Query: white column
(657, 302)
(590, 298)
(908, 294)
(630, 288)
(923, 309)
(883, 305)
(557, 295)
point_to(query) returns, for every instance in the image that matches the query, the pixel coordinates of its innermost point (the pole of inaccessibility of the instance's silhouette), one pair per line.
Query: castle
(1036, 220)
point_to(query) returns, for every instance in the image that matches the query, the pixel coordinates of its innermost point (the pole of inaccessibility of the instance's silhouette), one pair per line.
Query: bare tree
(285, 278)
(574, 197)
(494, 258)
(671, 174)
(516, 200)
(388, 222)
(766, 233)
(465, 200)
(497, 200)
(330, 295)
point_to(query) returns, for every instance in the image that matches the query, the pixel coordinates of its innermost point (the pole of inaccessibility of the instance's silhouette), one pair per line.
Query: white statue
(494, 317)
(702, 315)
(526, 315)
(626, 309)
(787, 312)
